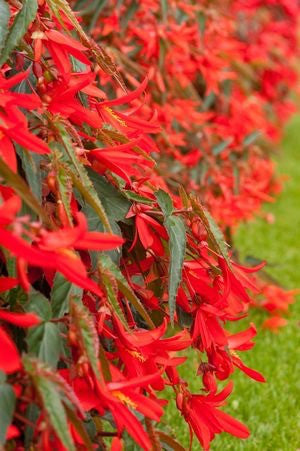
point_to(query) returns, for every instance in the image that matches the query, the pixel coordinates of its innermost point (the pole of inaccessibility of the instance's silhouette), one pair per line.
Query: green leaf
(251, 138)
(110, 286)
(216, 150)
(31, 167)
(214, 233)
(62, 291)
(19, 28)
(39, 304)
(115, 204)
(80, 429)
(84, 326)
(164, 9)
(136, 197)
(45, 342)
(4, 19)
(64, 185)
(16, 182)
(79, 176)
(7, 408)
(55, 410)
(99, 6)
(129, 13)
(177, 242)
(107, 264)
(165, 202)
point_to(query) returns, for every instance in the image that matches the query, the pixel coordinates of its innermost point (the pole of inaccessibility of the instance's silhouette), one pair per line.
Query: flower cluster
(109, 255)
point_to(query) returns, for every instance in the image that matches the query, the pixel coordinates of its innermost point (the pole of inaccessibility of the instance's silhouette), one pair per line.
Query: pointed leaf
(86, 333)
(165, 202)
(214, 233)
(7, 408)
(16, 182)
(55, 410)
(61, 293)
(177, 242)
(80, 178)
(4, 18)
(123, 286)
(19, 28)
(45, 342)
(39, 304)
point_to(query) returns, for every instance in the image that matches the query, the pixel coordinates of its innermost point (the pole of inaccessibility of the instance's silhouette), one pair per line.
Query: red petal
(231, 425)
(128, 97)
(20, 319)
(6, 283)
(9, 356)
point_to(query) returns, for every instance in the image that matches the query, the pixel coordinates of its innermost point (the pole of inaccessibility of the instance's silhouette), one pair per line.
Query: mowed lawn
(271, 410)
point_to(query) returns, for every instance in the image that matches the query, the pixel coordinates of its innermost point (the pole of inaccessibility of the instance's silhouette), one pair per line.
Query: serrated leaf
(19, 28)
(177, 242)
(7, 408)
(16, 182)
(86, 333)
(125, 289)
(136, 197)
(61, 292)
(213, 231)
(4, 19)
(165, 202)
(39, 304)
(110, 286)
(44, 341)
(55, 410)
(80, 429)
(80, 178)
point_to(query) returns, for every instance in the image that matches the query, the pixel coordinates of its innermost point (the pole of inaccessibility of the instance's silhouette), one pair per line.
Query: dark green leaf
(177, 242)
(45, 342)
(31, 167)
(76, 170)
(80, 429)
(32, 414)
(55, 410)
(16, 182)
(165, 202)
(128, 14)
(19, 28)
(39, 304)
(62, 291)
(107, 264)
(4, 19)
(216, 150)
(7, 408)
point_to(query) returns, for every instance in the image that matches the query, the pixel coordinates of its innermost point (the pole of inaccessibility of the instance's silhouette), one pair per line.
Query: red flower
(205, 420)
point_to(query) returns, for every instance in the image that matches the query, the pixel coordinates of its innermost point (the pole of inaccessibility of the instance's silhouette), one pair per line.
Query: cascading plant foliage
(134, 137)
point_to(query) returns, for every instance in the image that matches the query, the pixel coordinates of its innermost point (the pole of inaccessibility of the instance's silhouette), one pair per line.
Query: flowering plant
(112, 156)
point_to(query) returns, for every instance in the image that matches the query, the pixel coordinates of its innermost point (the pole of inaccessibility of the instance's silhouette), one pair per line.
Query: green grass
(271, 410)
